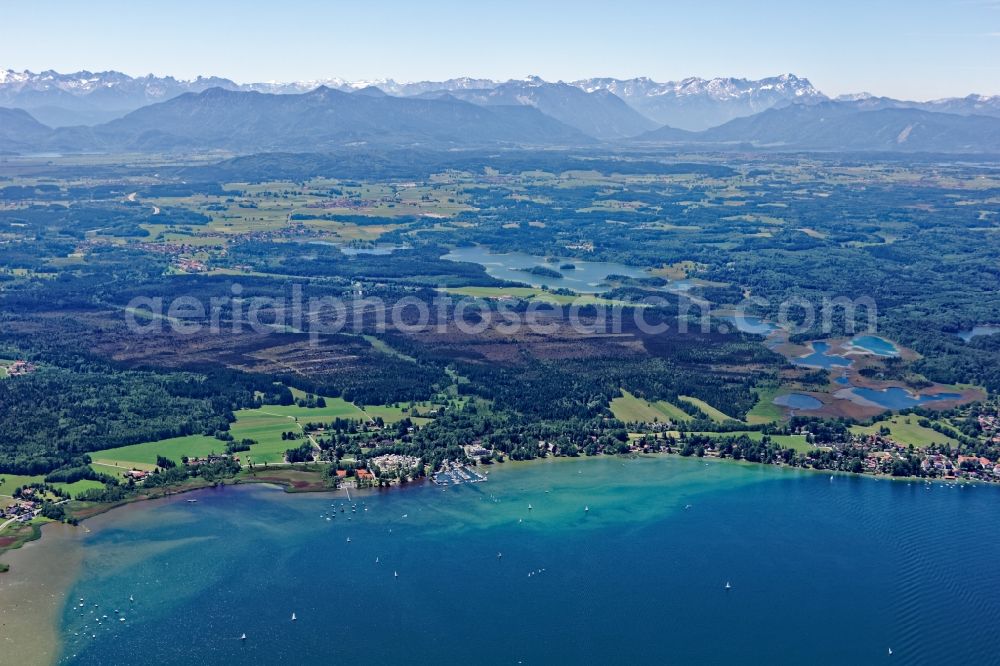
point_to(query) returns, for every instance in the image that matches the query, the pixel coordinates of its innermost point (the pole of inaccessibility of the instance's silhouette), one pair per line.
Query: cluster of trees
(577, 388)
(301, 453)
(76, 220)
(419, 265)
(51, 417)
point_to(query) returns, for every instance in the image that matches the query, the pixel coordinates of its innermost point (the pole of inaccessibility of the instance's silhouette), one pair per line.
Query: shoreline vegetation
(313, 478)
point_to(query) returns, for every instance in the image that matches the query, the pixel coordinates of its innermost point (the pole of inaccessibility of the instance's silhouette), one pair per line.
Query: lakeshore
(194, 568)
(622, 508)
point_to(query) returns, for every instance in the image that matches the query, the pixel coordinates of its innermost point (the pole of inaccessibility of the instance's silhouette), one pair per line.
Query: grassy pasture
(712, 412)
(765, 411)
(631, 408)
(906, 430)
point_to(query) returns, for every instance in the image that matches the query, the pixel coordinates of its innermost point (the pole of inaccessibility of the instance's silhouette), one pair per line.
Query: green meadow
(796, 442)
(712, 412)
(906, 430)
(631, 408)
(765, 411)
(264, 425)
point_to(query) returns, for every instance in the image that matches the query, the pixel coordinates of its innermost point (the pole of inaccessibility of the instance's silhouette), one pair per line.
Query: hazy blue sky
(906, 48)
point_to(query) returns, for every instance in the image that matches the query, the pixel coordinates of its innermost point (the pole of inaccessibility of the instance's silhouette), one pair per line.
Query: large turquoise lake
(822, 571)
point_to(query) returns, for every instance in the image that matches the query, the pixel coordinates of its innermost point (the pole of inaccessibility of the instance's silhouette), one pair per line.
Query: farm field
(795, 442)
(906, 430)
(631, 408)
(712, 412)
(8, 482)
(765, 411)
(264, 424)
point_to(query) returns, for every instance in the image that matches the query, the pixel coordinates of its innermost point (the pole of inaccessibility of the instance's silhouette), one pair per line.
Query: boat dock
(454, 474)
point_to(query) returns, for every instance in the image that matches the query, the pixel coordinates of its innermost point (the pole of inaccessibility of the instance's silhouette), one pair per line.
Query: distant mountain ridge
(598, 113)
(697, 104)
(859, 125)
(784, 113)
(91, 98)
(322, 119)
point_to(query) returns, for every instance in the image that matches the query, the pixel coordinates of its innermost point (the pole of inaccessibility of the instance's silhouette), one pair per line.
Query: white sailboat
(294, 618)
(728, 586)
(395, 574)
(243, 637)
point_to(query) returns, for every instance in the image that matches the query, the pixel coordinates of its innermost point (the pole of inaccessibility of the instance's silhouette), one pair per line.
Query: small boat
(192, 501)
(530, 507)
(499, 555)
(121, 619)
(243, 637)
(586, 509)
(376, 559)
(890, 652)
(131, 598)
(348, 539)
(728, 586)
(395, 574)
(294, 618)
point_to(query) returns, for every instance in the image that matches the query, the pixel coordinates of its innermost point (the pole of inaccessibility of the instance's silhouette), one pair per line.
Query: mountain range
(109, 111)
(321, 119)
(844, 126)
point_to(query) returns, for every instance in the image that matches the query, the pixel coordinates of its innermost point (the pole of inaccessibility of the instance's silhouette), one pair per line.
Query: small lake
(585, 276)
(842, 380)
(750, 324)
(376, 249)
(977, 331)
(875, 345)
(798, 401)
(819, 358)
(900, 398)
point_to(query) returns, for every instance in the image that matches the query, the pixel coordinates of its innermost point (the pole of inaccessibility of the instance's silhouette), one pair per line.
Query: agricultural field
(906, 430)
(765, 411)
(630, 408)
(143, 456)
(796, 442)
(9, 482)
(264, 425)
(711, 411)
